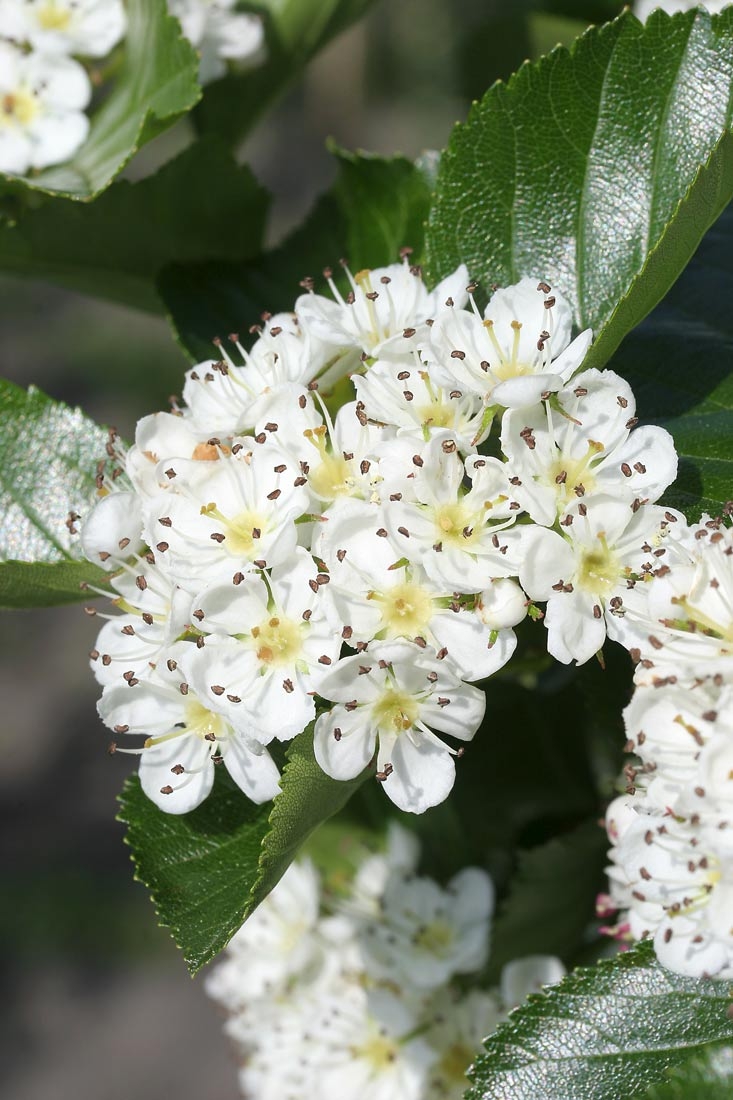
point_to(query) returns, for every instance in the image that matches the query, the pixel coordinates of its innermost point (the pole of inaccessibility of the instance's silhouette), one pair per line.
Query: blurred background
(99, 1005)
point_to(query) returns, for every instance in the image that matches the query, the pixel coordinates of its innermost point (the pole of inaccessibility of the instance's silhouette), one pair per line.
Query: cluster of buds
(672, 832)
(370, 992)
(280, 560)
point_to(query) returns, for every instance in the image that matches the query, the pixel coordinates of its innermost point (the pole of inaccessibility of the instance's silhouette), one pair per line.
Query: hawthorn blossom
(381, 596)
(241, 517)
(86, 27)
(582, 444)
(184, 738)
(383, 315)
(426, 935)
(644, 8)
(460, 1023)
(268, 641)
(388, 700)
(220, 33)
(42, 101)
(585, 572)
(519, 350)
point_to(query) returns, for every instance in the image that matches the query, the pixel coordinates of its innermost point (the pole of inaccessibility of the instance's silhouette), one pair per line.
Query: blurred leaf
(45, 584)
(709, 1077)
(48, 458)
(551, 898)
(208, 870)
(375, 207)
(603, 1033)
(199, 206)
(295, 31)
(562, 174)
(156, 84)
(679, 363)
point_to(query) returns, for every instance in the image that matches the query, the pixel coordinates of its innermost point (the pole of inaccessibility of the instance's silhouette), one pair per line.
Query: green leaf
(200, 206)
(562, 174)
(208, 870)
(709, 1077)
(551, 898)
(26, 584)
(375, 207)
(295, 31)
(603, 1033)
(679, 363)
(157, 82)
(48, 458)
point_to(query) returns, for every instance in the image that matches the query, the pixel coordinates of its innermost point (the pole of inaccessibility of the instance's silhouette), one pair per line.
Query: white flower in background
(184, 738)
(425, 935)
(401, 856)
(383, 315)
(220, 33)
(460, 1024)
(582, 445)
(42, 101)
(530, 974)
(86, 27)
(585, 573)
(644, 8)
(276, 945)
(388, 700)
(519, 350)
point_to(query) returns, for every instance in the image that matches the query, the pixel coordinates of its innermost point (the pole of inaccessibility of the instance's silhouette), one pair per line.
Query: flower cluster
(671, 833)
(219, 32)
(279, 561)
(356, 996)
(44, 91)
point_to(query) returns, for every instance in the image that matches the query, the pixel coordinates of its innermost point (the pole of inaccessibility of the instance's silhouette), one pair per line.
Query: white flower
(383, 316)
(394, 693)
(401, 855)
(276, 945)
(238, 518)
(184, 737)
(220, 33)
(42, 101)
(461, 538)
(425, 935)
(581, 445)
(644, 8)
(679, 889)
(585, 573)
(396, 394)
(460, 1024)
(270, 640)
(380, 596)
(519, 350)
(112, 532)
(688, 627)
(154, 613)
(528, 975)
(87, 27)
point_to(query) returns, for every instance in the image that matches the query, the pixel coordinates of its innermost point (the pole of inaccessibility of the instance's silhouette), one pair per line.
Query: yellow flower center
(199, 720)
(435, 938)
(379, 1051)
(566, 473)
(53, 17)
(456, 525)
(395, 711)
(331, 478)
(599, 570)
(18, 108)
(406, 609)
(242, 533)
(455, 1062)
(278, 641)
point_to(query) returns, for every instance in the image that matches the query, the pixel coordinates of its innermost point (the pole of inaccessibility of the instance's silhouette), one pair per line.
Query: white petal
(423, 775)
(518, 393)
(343, 743)
(189, 788)
(252, 769)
